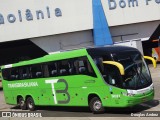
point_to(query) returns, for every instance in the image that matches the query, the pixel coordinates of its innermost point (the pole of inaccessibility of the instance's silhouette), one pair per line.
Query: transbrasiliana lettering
(24, 84)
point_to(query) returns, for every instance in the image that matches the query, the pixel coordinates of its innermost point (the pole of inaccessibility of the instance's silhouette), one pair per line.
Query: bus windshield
(137, 75)
(136, 71)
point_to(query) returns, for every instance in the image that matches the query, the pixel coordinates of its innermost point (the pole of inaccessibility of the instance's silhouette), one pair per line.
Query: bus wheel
(95, 105)
(30, 104)
(22, 103)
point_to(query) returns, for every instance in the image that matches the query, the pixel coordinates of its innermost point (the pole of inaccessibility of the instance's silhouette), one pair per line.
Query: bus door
(114, 79)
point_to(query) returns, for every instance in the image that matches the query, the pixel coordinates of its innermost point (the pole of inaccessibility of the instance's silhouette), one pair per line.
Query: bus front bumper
(129, 101)
(137, 99)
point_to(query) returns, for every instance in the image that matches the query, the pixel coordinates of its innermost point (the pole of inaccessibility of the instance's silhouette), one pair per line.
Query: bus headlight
(129, 93)
(124, 94)
(152, 88)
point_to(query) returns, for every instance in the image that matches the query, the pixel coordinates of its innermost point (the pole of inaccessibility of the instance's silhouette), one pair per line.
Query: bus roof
(70, 54)
(50, 57)
(110, 49)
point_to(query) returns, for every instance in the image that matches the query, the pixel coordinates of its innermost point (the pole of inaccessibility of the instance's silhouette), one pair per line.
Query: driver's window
(112, 75)
(99, 62)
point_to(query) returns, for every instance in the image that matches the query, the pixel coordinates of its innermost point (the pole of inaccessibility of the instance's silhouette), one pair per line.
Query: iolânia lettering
(28, 15)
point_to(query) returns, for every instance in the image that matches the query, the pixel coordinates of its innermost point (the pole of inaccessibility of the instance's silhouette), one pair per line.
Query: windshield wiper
(130, 66)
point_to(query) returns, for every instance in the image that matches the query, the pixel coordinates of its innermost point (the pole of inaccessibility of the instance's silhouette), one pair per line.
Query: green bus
(113, 76)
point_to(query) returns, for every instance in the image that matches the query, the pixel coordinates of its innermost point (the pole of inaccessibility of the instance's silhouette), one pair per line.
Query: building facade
(30, 29)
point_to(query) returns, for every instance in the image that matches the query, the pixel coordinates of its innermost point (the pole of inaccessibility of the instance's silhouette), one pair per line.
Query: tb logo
(65, 91)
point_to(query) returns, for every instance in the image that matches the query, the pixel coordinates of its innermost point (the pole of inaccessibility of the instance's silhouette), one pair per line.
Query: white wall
(76, 16)
(64, 41)
(144, 30)
(133, 43)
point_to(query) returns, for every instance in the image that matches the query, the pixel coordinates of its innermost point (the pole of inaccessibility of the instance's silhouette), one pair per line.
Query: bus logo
(54, 92)
(6, 114)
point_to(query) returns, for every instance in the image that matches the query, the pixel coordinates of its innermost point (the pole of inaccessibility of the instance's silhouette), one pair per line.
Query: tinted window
(25, 72)
(6, 73)
(36, 71)
(73, 66)
(84, 67)
(52, 69)
(14, 74)
(63, 67)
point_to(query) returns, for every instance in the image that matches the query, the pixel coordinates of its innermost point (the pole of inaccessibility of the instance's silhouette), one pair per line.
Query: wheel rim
(97, 105)
(30, 104)
(21, 103)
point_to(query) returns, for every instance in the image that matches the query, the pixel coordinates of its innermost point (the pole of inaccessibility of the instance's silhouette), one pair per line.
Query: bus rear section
(151, 47)
(156, 50)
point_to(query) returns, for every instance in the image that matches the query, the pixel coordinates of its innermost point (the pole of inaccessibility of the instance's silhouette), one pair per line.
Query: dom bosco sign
(130, 3)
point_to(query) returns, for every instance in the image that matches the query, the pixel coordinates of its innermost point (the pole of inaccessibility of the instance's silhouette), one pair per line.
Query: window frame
(44, 69)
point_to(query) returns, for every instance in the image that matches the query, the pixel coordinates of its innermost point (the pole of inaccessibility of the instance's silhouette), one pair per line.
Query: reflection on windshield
(136, 72)
(136, 76)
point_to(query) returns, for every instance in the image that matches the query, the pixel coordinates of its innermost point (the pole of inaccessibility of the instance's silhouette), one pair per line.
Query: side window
(25, 73)
(36, 71)
(45, 70)
(72, 67)
(60, 68)
(6, 73)
(63, 67)
(52, 69)
(112, 75)
(99, 62)
(15, 74)
(83, 66)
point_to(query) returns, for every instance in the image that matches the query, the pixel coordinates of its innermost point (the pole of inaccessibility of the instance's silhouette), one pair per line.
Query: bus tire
(95, 105)
(30, 104)
(22, 103)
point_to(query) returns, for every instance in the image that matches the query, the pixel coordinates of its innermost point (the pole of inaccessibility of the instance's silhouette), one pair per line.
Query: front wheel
(30, 104)
(95, 105)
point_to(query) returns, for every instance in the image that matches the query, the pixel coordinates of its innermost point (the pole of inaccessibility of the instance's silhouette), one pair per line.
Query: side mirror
(117, 64)
(151, 59)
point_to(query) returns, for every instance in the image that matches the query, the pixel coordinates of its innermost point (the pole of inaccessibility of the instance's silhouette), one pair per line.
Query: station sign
(24, 19)
(122, 12)
(129, 3)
